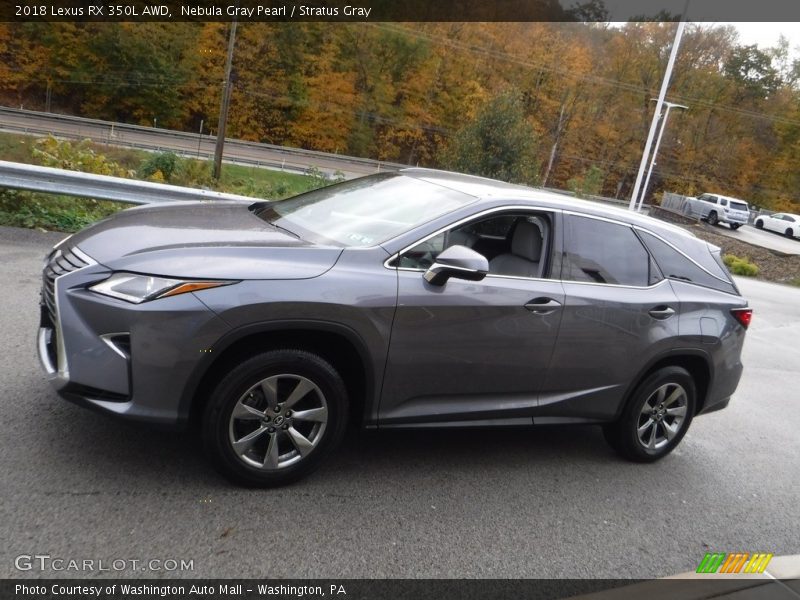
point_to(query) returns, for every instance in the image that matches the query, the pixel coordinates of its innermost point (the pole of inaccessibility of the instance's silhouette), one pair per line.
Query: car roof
(487, 189)
(726, 197)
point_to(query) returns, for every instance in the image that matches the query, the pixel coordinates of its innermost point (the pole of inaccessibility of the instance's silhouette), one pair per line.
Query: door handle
(542, 306)
(661, 312)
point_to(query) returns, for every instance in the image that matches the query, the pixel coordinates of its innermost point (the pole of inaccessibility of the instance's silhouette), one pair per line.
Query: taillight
(743, 315)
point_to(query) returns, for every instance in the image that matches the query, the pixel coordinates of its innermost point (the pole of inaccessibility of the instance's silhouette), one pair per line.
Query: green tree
(753, 71)
(588, 184)
(499, 143)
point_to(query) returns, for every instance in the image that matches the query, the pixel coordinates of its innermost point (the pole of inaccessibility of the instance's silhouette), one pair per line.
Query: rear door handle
(661, 312)
(543, 306)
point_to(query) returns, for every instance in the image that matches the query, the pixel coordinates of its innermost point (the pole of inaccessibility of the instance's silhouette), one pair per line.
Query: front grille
(60, 263)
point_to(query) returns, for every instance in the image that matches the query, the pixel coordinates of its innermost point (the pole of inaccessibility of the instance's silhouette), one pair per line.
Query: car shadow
(96, 448)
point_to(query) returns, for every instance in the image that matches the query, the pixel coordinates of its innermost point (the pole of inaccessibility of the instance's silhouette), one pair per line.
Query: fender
(235, 335)
(657, 359)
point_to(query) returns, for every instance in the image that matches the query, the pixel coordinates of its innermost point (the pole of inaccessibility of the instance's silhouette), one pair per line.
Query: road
(759, 237)
(528, 503)
(190, 144)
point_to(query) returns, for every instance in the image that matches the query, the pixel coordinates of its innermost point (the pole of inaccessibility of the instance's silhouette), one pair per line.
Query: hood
(212, 240)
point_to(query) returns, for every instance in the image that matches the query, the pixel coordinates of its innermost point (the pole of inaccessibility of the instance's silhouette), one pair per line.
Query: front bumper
(116, 357)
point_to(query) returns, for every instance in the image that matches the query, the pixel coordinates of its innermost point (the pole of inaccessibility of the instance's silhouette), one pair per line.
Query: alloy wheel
(278, 422)
(662, 416)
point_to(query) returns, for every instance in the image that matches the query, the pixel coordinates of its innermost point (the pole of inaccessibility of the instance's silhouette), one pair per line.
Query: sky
(766, 35)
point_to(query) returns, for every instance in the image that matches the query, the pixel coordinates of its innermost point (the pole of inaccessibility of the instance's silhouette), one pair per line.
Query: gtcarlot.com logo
(736, 562)
(46, 562)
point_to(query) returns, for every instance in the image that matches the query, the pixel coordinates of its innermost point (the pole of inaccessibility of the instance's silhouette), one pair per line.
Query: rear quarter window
(674, 265)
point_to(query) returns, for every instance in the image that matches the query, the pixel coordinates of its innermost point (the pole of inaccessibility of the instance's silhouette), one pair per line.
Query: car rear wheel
(656, 418)
(274, 418)
(713, 219)
(759, 224)
(735, 226)
(788, 232)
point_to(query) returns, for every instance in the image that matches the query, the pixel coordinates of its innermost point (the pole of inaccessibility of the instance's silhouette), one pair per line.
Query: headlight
(140, 288)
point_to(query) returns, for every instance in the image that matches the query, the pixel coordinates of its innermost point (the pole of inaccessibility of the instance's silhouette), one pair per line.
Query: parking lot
(523, 503)
(763, 238)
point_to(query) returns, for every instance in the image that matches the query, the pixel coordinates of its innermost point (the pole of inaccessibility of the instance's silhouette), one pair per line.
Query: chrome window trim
(654, 234)
(562, 281)
(488, 211)
(686, 256)
(565, 212)
(488, 275)
(616, 285)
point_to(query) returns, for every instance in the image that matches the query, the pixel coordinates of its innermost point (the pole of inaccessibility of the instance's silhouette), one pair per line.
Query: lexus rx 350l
(411, 299)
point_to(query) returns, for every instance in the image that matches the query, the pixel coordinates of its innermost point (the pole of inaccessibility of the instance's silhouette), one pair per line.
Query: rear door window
(598, 251)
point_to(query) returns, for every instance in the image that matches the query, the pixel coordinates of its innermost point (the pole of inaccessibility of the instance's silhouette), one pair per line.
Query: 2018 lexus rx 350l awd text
(410, 299)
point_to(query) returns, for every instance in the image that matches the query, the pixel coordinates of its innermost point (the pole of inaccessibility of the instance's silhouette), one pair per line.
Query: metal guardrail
(88, 185)
(294, 159)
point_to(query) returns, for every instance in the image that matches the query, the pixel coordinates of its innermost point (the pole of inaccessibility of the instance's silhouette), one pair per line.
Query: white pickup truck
(716, 208)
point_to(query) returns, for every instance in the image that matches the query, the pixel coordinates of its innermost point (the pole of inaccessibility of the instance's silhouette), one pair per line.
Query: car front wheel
(274, 418)
(656, 418)
(713, 219)
(788, 232)
(759, 224)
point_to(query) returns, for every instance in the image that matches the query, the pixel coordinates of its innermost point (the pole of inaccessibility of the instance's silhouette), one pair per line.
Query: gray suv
(411, 299)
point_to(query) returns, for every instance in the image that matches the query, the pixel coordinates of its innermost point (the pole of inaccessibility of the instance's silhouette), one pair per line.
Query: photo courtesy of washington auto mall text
(251, 590)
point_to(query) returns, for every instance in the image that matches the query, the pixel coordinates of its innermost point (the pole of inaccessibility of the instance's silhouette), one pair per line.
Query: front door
(472, 351)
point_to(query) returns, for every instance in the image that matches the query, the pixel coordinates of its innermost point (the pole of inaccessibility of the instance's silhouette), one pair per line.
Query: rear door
(619, 312)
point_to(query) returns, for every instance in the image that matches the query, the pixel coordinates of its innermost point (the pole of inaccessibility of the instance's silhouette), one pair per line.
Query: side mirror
(459, 262)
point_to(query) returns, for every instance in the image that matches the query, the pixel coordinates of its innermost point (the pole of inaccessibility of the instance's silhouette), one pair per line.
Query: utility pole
(655, 150)
(226, 98)
(664, 85)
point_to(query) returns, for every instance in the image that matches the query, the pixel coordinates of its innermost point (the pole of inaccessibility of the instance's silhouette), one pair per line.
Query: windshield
(362, 212)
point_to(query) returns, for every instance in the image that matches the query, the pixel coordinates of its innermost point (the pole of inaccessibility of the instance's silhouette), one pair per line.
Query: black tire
(759, 224)
(285, 371)
(735, 226)
(623, 435)
(713, 219)
(788, 233)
